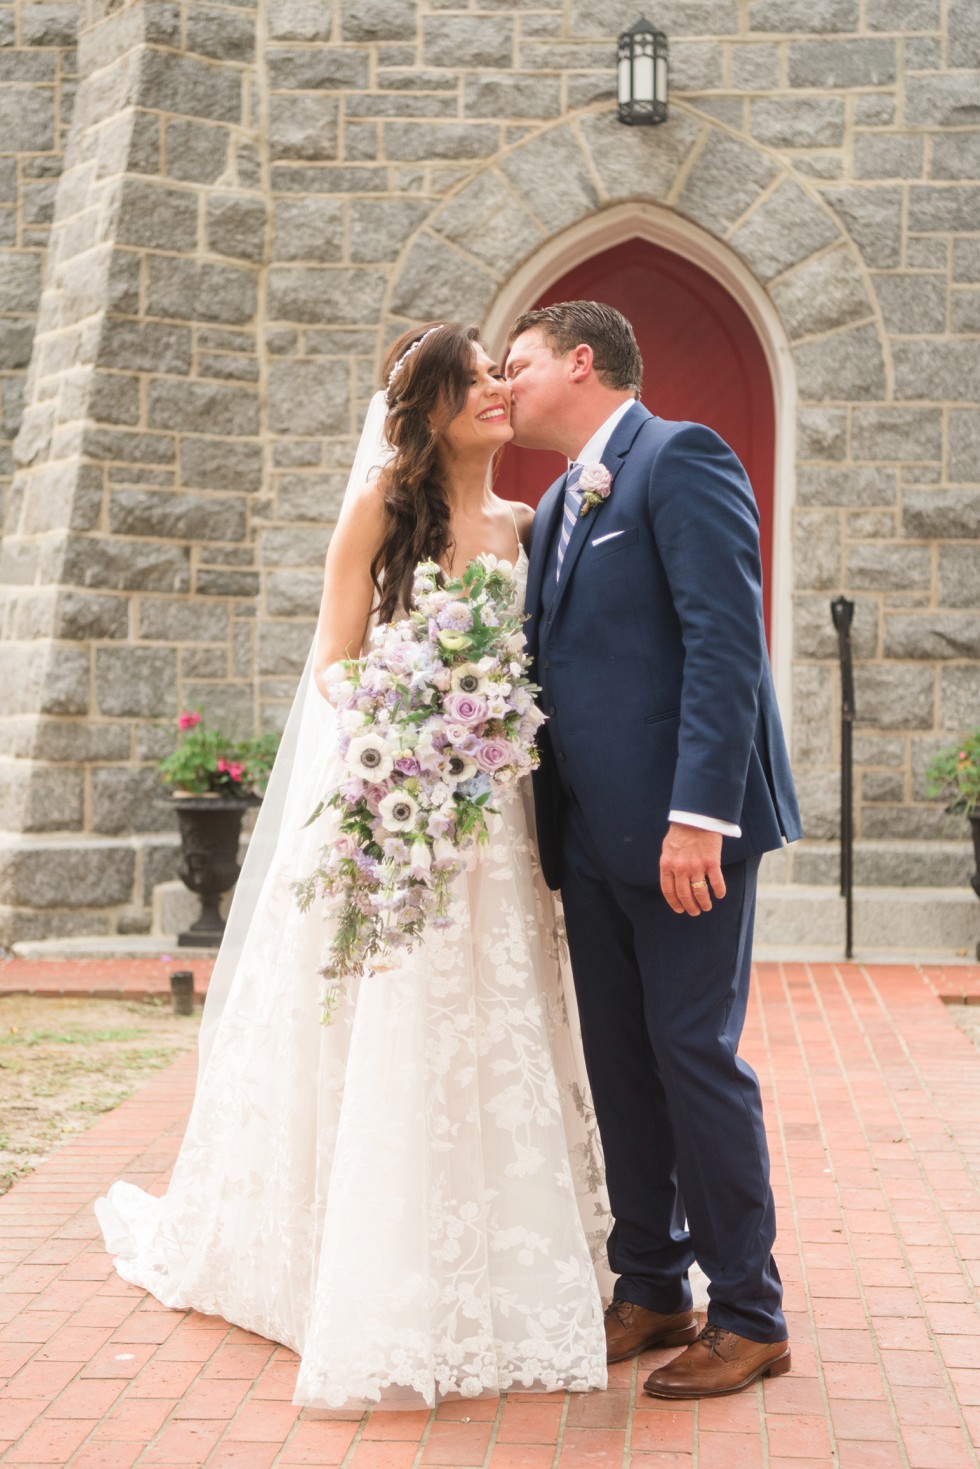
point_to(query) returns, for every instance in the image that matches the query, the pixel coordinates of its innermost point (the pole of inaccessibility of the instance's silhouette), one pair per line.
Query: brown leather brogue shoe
(631, 1329)
(718, 1362)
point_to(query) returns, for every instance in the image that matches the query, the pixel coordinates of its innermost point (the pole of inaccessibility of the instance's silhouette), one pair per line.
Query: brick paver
(872, 1105)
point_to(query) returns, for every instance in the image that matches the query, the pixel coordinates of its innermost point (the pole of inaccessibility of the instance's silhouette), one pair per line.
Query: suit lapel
(542, 542)
(620, 443)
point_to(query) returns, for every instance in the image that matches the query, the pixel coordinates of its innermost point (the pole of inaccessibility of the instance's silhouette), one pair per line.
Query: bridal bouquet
(436, 718)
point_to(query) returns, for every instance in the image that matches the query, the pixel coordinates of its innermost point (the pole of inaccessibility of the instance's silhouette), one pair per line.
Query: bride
(410, 1197)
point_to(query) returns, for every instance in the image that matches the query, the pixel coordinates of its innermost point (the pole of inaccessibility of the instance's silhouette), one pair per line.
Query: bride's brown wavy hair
(430, 386)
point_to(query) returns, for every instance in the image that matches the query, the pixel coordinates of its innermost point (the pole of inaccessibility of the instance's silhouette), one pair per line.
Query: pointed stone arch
(790, 242)
(697, 187)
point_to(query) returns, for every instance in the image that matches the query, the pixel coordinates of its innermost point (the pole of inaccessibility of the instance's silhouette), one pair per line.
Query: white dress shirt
(591, 453)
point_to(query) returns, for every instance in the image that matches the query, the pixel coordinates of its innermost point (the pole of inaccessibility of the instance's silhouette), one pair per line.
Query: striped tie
(573, 504)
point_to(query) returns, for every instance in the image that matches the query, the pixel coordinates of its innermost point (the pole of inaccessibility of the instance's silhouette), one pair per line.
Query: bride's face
(484, 419)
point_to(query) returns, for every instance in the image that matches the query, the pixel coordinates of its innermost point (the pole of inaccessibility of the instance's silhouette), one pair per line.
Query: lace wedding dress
(411, 1197)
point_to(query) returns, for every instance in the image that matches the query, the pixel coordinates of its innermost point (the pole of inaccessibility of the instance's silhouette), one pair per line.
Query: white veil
(292, 791)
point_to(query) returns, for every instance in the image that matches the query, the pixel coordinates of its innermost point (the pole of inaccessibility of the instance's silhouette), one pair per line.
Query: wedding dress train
(410, 1197)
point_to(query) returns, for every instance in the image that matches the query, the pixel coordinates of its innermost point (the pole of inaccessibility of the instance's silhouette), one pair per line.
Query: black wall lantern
(642, 74)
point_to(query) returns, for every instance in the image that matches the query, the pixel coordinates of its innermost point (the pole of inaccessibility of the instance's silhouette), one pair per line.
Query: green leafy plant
(208, 762)
(954, 775)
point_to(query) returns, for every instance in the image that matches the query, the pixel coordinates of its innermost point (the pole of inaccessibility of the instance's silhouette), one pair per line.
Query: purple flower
(408, 765)
(490, 755)
(438, 824)
(456, 616)
(466, 709)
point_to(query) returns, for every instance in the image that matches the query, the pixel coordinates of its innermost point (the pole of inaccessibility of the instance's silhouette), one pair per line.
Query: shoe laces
(622, 1310)
(712, 1337)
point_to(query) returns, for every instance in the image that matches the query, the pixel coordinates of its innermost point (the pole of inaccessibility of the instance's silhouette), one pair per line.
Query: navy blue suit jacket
(651, 655)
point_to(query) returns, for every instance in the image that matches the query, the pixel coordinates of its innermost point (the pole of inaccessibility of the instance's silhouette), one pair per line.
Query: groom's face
(540, 384)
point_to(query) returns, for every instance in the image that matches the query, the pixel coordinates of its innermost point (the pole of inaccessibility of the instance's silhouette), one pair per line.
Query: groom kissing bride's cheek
(663, 779)
(411, 1196)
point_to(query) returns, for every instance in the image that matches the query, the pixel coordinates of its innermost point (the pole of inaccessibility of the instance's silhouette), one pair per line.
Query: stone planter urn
(975, 879)
(210, 829)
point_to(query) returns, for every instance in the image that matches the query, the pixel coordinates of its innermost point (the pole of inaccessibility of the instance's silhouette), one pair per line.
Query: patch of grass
(68, 1037)
(65, 1062)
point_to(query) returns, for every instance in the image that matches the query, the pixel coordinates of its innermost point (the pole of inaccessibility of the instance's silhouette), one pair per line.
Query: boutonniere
(595, 482)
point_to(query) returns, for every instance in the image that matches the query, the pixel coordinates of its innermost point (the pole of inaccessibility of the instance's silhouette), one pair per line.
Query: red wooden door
(701, 357)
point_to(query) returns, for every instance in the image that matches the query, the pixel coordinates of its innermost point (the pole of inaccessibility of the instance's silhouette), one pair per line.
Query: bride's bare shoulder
(363, 507)
(360, 526)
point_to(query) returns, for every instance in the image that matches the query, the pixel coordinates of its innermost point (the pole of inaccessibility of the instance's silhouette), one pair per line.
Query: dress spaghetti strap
(517, 533)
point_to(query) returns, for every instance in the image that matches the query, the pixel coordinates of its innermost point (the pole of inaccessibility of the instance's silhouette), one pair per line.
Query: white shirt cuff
(706, 823)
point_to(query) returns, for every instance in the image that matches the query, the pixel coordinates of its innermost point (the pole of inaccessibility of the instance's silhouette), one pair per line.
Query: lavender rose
(490, 755)
(468, 709)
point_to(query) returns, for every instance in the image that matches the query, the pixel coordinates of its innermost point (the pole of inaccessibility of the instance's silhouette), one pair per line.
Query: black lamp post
(642, 75)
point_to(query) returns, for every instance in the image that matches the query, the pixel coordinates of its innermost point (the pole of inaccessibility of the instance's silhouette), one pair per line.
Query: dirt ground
(64, 1062)
(967, 1017)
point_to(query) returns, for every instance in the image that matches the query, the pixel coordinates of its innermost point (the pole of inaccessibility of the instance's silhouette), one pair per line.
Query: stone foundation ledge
(109, 947)
(944, 864)
(62, 886)
(889, 922)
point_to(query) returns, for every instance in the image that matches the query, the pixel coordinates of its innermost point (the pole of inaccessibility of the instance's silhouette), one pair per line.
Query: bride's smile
(483, 423)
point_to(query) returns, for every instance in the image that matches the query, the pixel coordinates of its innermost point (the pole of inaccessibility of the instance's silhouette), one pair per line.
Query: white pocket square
(610, 537)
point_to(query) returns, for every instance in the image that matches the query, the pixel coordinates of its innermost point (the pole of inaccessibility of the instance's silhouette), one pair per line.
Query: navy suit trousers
(662, 999)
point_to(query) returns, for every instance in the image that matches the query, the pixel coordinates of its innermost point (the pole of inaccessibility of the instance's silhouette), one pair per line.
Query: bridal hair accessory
(409, 352)
(595, 483)
(434, 722)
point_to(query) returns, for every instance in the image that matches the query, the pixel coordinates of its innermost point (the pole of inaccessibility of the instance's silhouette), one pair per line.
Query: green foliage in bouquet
(434, 722)
(954, 775)
(208, 762)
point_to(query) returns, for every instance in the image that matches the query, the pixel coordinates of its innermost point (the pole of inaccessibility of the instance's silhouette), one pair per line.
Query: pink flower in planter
(188, 719)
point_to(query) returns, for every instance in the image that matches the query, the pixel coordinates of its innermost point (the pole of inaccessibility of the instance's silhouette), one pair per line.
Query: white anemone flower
(468, 678)
(369, 757)
(398, 811)
(458, 768)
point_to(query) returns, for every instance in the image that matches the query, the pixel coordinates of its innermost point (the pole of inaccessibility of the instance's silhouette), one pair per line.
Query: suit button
(547, 663)
(552, 709)
(561, 754)
(550, 619)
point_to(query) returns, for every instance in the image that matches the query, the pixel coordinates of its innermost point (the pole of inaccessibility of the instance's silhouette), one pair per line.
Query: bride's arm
(348, 591)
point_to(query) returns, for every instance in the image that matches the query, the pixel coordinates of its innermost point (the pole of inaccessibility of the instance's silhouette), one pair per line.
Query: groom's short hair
(567, 324)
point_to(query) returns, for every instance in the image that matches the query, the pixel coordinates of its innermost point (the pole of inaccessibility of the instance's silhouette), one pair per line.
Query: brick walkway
(872, 1103)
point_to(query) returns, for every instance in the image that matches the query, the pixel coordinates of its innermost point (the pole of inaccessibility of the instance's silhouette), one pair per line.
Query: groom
(663, 778)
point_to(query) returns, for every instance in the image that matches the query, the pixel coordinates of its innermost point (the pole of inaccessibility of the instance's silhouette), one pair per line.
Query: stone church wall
(252, 199)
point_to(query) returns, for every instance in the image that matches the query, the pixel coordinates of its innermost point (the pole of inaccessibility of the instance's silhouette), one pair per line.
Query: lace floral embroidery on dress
(412, 1197)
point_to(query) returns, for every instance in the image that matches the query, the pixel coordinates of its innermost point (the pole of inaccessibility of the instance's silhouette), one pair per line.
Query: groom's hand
(690, 868)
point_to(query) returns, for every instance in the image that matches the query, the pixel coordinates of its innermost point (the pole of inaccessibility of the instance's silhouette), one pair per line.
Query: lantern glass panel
(661, 92)
(643, 75)
(625, 81)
